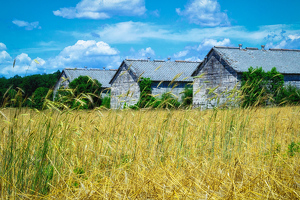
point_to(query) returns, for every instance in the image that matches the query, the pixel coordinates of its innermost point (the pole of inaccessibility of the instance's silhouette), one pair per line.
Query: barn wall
(217, 75)
(124, 90)
(158, 89)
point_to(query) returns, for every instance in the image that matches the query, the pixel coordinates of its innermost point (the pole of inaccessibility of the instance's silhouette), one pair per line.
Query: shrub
(259, 87)
(146, 99)
(289, 95)
(167, 100)
(106, 102)
(187, 98)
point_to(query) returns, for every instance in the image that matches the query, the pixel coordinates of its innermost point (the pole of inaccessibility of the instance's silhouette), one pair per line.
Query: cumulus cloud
(283, 40)
(198, 52)
(204, 13)
(181, 54)
(103, 9)
(294, 37)
(141, 54)
(27, 25)
(86, 53)
(209, 43)
(24, 65)
(4, 57)
(146, 52)
(2, 46)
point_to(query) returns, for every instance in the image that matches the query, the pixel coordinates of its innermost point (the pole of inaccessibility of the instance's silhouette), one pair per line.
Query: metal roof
(103, 76)
(286, 61)
(158, 70)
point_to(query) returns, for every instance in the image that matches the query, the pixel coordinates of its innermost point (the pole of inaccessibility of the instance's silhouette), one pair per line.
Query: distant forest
(28, 84)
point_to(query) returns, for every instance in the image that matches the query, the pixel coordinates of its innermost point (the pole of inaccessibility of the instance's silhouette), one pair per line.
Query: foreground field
(216, 154)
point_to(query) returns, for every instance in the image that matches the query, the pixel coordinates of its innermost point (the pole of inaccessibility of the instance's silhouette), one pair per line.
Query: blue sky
(101, 33)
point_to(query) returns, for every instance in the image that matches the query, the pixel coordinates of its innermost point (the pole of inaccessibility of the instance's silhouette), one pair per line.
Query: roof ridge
(224, 47)
(251, 48)
(187, 61)
(275, 49)
(90, 69)
(143, 60)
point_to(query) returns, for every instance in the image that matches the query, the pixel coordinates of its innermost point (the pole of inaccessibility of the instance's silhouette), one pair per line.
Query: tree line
(17, 89)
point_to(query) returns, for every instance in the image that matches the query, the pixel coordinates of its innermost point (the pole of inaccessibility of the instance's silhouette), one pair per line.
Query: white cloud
(181, 54)
(83, 53)
(209, 43)
(127, 32)
(294, 37)
(204, 13)
(23, 58)
(146, 52)
(2, 46)
(86, 53)
(103, 9)
(141, 54)
(24, 65)
(283, 40)
(4, 57)
(198, 52)
(28, 26)
(135, 32)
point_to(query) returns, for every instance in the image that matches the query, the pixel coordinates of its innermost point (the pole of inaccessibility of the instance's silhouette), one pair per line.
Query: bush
(146, 99)
(187, 98)
(167, 100)
(259, 87)
(289, 95)
(106, 102)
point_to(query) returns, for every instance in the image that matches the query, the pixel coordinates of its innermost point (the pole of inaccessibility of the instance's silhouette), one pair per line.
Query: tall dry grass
(150, 154)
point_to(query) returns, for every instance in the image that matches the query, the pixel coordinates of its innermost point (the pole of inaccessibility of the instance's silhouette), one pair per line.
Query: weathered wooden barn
(223, 68)
(125, 88)
(69, 74)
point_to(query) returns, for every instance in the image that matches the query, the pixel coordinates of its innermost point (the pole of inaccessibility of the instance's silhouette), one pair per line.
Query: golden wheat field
(150, 154)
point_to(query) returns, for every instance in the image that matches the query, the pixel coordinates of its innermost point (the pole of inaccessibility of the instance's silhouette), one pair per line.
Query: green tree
(39, 96)
(84, 86)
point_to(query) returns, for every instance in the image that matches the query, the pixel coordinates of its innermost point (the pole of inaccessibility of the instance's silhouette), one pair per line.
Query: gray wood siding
(216, 75)
(124, 90)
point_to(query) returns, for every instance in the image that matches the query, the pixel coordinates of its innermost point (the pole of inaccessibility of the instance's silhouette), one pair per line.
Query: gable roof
(286, 61)
(158, 70)
(103, 76)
